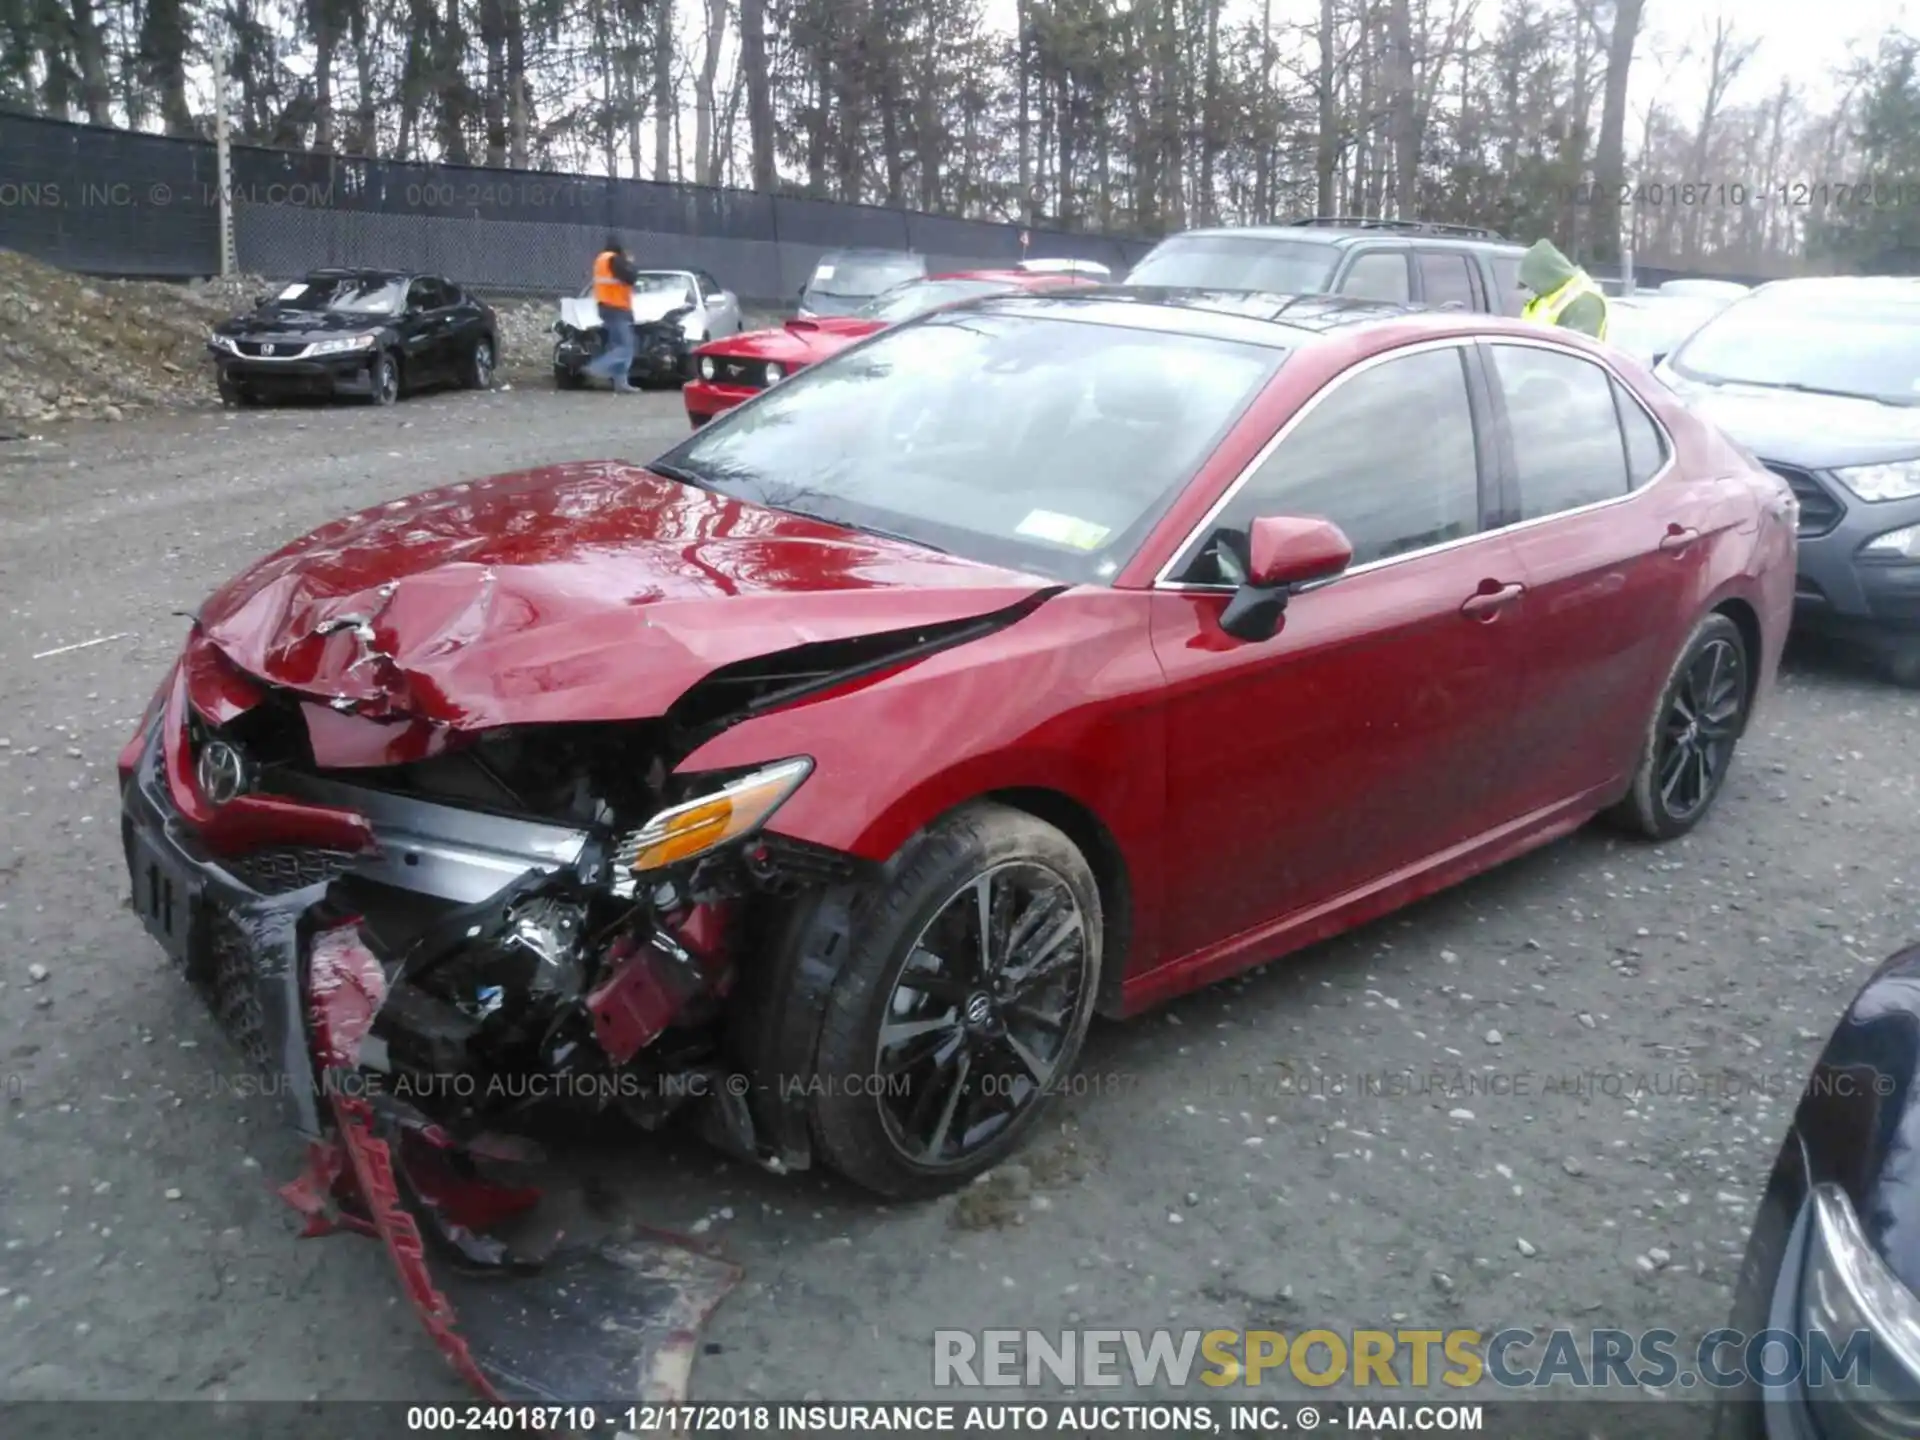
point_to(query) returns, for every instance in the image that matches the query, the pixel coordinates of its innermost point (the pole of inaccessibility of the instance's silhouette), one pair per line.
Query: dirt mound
(76, 348)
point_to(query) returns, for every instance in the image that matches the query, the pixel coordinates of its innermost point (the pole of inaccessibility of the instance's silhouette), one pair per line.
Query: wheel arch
(1092, 839)
(1747, 620)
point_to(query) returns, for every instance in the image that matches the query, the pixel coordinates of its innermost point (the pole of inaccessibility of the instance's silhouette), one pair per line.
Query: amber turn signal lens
(698, 826)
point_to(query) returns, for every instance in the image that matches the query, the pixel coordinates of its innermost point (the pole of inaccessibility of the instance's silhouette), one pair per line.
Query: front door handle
(1487, 602)
(1678, 538)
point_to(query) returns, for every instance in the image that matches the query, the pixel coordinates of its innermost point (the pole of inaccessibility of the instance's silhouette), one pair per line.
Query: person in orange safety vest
(613, 277)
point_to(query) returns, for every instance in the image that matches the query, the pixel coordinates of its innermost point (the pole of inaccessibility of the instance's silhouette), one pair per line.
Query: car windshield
(1238, 262)
(1045, 445)
(359, 295)
(917, 297)
(660, 282)
(864, 274)
(1867, 347)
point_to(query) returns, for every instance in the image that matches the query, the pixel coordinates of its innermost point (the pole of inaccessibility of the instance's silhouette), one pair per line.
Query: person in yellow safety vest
(613, 277)
(1563, 293)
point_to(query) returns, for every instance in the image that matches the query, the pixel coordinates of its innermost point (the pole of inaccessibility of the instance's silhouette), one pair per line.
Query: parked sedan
(1833, 1260)
(673, 311)
(1821, 379)
(728, 372)
(374, 334)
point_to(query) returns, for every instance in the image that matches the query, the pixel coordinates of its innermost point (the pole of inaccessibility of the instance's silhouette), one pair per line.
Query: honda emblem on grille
(222, 772)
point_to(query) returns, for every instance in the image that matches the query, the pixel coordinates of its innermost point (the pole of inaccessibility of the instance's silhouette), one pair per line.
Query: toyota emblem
(222, 772)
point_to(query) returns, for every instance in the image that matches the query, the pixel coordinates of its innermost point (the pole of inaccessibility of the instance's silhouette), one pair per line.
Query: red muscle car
(739, 367)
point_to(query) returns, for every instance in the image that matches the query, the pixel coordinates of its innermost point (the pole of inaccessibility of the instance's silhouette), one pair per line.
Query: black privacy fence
(110, 202)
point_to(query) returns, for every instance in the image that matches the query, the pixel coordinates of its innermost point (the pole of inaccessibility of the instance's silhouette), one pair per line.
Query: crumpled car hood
(584, 592)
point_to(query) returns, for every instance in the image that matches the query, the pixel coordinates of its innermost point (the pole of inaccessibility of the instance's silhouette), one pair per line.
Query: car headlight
(223, 342)
(1848, 1292)
(1894, 545)
(775, 374)
(706, 367)
(342, 346)
(1898, 481)
(682, 832)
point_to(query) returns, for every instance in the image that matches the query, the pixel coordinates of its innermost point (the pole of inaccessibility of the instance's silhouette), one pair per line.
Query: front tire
(383, 381)
(1689, 745)
(964, 999)
(237, 397)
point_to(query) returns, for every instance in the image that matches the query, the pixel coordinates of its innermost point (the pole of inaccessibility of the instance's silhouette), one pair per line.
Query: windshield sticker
(1057, 529)
(293, 292)
(823, 274)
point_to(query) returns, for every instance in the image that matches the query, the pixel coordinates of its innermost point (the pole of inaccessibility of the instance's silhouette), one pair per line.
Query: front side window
(1046, 445)
(1567, 446)
(1387, 454)
(1378, 275)
(1238, 262)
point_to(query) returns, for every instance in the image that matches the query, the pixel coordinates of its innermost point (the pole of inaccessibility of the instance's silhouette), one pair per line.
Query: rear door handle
(1485, 604)
(1678, 538)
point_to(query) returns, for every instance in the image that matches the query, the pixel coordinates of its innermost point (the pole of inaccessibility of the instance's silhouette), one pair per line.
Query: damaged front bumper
(517, 1314)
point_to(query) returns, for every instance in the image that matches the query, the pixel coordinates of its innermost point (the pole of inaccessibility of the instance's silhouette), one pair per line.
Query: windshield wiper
(883, 534)
(1803, 389)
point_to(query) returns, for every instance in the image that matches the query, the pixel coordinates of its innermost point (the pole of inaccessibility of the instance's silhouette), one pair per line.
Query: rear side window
(1508, 298)
(1646, 446)
(1444, 278)
(1378, 275)
(1387, 454)
(1567, 446)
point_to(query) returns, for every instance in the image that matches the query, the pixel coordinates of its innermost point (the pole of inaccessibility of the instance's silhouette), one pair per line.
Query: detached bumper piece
(611, 1322)
(518, 1313)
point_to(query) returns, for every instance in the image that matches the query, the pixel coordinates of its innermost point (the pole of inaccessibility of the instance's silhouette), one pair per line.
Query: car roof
(1341, 235)
(1038, 279)
(1248, 316)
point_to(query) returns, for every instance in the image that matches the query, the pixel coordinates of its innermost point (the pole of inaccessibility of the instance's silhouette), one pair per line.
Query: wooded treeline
(1132, 116)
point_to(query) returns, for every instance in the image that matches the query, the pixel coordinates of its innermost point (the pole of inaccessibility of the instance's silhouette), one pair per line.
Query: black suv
(1400, 261)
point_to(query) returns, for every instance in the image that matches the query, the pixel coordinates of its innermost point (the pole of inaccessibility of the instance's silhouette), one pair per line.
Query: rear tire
(476, 371)
(1690, 739)
(965, 1047)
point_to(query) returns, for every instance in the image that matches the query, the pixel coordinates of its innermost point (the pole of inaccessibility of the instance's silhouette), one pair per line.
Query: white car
(711, 312)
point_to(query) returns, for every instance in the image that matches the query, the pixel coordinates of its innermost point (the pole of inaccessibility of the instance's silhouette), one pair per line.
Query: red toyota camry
(1047, 655)
(739, 367)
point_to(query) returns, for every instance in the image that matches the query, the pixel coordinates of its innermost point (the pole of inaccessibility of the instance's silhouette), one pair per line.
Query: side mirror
(1659, 359)
(1283, 552)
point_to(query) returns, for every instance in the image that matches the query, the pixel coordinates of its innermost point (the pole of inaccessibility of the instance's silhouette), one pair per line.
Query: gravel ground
(1571, 1151)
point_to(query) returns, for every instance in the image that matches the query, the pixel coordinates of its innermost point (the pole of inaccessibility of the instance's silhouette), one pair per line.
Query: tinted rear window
(1238, 262)
(865, 274)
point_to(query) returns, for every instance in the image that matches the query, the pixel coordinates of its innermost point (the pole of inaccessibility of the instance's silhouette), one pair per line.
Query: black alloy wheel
(1697, 725)
(384, 380)
(981, 1013)
(962, 1005)
(477, 374)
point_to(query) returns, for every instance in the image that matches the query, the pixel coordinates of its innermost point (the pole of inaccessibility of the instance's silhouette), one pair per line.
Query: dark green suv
(1401, 261)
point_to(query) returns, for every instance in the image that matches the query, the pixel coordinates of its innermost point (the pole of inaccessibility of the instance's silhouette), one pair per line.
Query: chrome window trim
(1162, 580)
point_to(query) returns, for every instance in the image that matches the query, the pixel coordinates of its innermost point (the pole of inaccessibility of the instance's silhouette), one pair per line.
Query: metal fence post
(223, 163)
